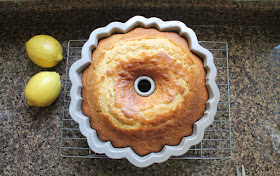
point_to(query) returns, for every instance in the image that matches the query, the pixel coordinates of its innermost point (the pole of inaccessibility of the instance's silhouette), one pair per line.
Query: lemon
(43, 89)
(44, 50)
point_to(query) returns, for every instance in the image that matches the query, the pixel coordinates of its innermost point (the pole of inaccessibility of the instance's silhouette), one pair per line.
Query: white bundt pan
(77, 68)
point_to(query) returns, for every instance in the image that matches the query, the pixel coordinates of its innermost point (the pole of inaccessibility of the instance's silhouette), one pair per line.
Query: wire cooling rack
(217, 138)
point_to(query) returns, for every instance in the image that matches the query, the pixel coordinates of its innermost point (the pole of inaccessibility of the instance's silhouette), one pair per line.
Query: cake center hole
(144, 85)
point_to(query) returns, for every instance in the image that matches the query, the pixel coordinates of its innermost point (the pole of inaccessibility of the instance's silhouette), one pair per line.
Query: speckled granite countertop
(29, 137)
(201, 12)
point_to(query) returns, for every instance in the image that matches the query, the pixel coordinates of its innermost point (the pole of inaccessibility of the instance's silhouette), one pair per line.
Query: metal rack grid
(217, 138)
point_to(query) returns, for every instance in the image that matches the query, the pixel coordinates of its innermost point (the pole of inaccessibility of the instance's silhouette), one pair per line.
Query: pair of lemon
(44, 87)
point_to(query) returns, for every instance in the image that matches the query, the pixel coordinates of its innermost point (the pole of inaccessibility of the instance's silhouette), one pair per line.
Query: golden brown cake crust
(145, 124)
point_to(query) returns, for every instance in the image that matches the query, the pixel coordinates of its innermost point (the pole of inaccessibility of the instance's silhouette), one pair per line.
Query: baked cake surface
(145, 124)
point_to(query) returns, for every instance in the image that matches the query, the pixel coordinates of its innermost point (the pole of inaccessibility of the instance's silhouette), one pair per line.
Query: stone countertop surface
(200, 12)
(30, 136)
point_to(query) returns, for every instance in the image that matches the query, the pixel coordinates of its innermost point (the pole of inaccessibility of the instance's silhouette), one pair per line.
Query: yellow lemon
(44, 50)
(43, 89)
